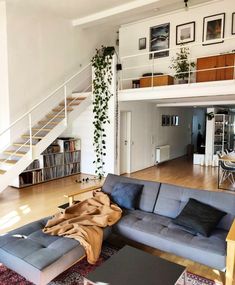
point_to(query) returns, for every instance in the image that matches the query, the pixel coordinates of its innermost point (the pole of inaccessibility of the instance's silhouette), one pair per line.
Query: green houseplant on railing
(102, 65)
(182, 65)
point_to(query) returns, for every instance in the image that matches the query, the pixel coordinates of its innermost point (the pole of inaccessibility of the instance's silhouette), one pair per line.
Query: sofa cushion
(149, 192)
(199, 217)
(172, 199)
(33, 246)
(157, 231)
(126, 195)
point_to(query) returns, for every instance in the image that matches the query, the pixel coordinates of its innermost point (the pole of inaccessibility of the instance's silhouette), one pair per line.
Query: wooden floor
(19, 207)
(181, 172)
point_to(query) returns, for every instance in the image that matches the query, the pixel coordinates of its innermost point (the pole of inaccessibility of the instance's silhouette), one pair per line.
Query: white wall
(142, 133)
(131, 33)
(178, 137)
(4, 95)
(44, 50)
(147, 132)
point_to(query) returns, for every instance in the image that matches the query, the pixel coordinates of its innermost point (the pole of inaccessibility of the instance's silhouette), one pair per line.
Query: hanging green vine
(102, 64)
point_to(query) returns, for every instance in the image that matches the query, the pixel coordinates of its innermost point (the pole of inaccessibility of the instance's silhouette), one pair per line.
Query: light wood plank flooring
(181, 172)
(19, 207)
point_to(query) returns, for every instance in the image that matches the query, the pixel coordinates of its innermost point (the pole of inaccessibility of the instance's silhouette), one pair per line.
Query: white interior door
(125, 142)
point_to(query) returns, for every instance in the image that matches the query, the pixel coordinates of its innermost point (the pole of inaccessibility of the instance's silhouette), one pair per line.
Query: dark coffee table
(132, 266)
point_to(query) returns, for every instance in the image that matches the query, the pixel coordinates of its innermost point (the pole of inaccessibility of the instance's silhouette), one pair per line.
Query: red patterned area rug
(75, 274)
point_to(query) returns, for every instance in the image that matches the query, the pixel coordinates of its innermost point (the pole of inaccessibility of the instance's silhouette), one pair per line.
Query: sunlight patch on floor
(9, 220)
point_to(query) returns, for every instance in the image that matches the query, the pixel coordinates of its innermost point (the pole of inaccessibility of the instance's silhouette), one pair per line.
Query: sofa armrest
(82, 191)
(230, 262)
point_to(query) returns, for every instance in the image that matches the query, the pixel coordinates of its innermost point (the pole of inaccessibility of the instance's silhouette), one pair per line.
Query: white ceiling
(77, 9)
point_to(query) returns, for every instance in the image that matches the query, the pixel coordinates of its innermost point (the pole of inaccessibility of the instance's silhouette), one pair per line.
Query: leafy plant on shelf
(102, 64)
(181, 64)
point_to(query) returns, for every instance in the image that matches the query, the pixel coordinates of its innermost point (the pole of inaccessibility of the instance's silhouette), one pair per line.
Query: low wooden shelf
(159, 80)
(57, 161)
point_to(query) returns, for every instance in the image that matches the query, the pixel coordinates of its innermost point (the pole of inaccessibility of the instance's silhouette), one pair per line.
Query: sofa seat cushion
(160, 232)
(30, 244)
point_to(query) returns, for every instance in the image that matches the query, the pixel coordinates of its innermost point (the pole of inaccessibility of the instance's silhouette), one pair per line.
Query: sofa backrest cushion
(172, 199)
(149, 193)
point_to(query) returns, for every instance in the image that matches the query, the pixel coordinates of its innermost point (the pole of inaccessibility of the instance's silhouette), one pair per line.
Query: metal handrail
(45, 99)
(178, 73)
(29, 114)
(171, 49)
(132, 66)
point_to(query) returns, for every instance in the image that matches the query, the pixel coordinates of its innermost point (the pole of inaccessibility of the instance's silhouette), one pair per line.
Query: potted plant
(182, 65)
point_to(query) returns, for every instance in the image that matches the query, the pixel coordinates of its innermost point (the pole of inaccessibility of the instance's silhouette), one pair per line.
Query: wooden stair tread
(10, 161)
(71, 104)
(33, 137)
(13, 153)
(2, 171)
(76, 98)
(42, 129)
(47, 122)
(53, 116)
(61, 108)
(21, 144)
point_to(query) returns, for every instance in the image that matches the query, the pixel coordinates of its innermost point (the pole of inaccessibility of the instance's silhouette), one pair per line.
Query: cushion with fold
(199, 217)
(126, 195)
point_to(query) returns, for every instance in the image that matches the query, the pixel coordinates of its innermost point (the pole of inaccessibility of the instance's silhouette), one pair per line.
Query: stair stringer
(12, 173)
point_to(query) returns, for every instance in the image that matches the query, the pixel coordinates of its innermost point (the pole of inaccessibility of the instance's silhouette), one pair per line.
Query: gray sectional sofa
(40, 257)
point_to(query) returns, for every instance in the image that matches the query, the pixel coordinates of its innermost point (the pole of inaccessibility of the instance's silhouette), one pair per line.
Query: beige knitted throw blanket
(85, 222)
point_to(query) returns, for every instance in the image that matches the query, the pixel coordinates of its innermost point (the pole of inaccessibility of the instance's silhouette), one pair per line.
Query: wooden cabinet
(160, 80)
(215, 62)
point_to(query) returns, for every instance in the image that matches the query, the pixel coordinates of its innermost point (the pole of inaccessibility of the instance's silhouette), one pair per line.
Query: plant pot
(183, 81)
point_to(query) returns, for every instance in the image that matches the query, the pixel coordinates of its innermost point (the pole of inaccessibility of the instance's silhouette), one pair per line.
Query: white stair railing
(83, 76)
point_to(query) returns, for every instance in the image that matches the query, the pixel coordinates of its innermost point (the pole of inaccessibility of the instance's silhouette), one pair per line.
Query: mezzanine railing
(135, 65)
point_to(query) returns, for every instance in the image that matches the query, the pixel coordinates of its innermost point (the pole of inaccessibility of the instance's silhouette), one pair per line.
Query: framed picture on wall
(168, 120)
(142, 43)
(175, 120)
(163, 120)
(233, 23)
(213, 29)
(160, 40)
(185, 33)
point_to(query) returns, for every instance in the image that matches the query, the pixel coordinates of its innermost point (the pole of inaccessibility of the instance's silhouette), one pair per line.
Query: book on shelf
(62, 158)
(53, 159)
(32, 177)
(69, 144)
(71, 157)
(34, 165)
(72, 168)
(54, 148)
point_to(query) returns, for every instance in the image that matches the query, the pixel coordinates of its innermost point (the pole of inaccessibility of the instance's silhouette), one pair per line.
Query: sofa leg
(230, 266)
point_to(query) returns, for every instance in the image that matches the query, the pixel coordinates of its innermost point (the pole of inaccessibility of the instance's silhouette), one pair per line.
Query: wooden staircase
(19, 149)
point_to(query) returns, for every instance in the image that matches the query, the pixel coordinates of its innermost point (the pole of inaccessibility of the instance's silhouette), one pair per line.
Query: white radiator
(162, 153)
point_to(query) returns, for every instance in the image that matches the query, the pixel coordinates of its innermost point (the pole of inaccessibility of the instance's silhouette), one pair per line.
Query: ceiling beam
(192, 104)
(113, 11)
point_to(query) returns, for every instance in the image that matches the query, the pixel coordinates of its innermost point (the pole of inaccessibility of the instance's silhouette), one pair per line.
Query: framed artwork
(233, 23)
(163, 120)
(168, 120)
(160, 40)
(185, 33)
(175, 120)
(213, 29)
(142, 43)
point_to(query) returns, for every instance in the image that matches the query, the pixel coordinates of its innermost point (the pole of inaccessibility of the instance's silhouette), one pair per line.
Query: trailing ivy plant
(102, 64)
